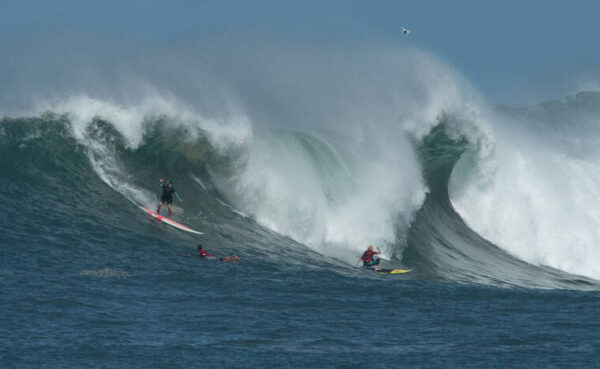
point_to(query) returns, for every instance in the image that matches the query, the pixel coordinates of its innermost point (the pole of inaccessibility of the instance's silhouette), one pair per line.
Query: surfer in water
(167, 196)
(368, 258)
(203, 254)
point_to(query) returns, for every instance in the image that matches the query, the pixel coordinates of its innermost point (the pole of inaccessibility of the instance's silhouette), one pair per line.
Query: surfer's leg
(159, 205)
(169, 206)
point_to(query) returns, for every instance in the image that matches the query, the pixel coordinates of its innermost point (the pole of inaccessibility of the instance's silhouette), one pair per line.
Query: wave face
(424, 169)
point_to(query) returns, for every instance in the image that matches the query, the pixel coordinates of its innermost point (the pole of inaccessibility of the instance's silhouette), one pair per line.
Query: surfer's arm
(359, 260)
(177, 195)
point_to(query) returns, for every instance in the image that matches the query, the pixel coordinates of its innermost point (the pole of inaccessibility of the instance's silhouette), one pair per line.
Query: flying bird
(405, 31)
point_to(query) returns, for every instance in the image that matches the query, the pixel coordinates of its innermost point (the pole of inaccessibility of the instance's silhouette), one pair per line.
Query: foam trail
(232, 209)
(199, 181)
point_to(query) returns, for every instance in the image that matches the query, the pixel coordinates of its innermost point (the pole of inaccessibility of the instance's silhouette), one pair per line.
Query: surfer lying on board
(368, 258)
(204, 254)
(167, 196)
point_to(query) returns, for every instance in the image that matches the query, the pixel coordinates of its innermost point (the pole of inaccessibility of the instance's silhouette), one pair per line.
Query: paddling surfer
(167, 196)
(203, 254)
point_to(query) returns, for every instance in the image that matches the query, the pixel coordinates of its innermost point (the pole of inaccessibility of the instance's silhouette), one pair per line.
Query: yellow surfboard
(394, 271)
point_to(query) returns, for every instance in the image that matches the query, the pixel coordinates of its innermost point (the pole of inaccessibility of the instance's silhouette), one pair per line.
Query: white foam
(105, 273)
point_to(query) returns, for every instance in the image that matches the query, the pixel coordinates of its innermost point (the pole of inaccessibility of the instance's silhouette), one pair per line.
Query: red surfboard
(170, 222)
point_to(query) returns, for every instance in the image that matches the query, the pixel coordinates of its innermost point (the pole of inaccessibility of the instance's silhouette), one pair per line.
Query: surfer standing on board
(368, 258)
(167, 196)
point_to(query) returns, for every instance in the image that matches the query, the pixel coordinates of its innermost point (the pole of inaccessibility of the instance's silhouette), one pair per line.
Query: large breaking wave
(329, 153)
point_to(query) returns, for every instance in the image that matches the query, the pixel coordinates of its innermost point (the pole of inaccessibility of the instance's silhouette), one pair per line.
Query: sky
(511, 51)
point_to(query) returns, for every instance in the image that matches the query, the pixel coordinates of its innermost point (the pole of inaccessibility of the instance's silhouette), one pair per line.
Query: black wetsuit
(167, 195)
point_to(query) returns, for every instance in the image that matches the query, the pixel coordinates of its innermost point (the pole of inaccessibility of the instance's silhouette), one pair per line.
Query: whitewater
(295, 159)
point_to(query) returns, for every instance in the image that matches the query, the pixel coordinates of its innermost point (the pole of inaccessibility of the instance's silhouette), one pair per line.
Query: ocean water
(494, 209)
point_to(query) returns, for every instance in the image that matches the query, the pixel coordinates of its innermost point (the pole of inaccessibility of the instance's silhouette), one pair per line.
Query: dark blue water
(150, 307)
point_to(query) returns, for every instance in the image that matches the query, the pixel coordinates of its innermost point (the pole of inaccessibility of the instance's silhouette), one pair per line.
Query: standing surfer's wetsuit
(167, 196)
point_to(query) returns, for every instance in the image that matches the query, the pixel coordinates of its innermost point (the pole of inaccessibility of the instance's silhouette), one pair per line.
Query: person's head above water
(200, 247)
(370, 248)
